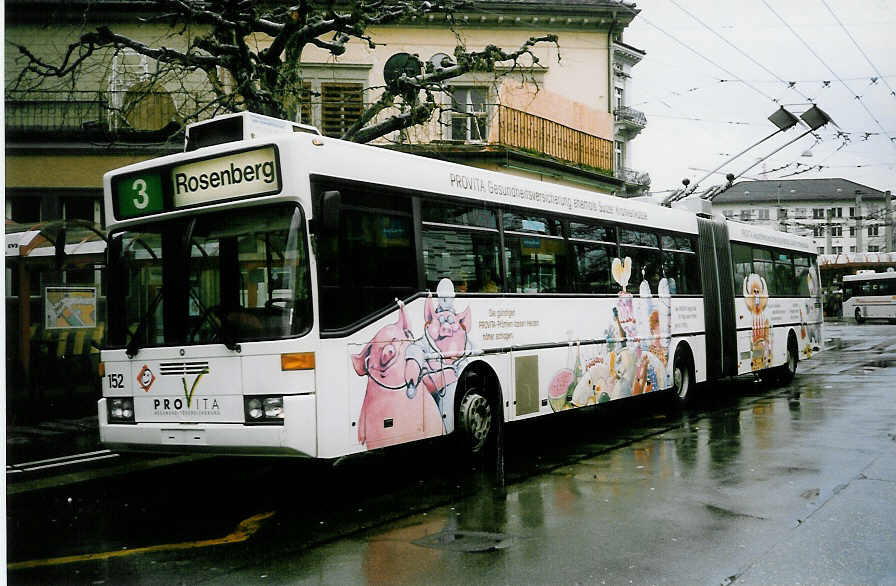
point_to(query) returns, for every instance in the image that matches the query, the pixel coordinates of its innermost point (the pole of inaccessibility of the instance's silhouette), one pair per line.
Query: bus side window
(762, 266)
(801, 272)
(742, 263)
(370, 261)
(536, 254)
(647, 262)
(784, 281)
(593, 248)
(680, 265)
(461, 243)
(469, 259)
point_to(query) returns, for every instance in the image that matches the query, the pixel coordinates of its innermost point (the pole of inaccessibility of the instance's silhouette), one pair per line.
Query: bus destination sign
(253, 172)
(235, 175)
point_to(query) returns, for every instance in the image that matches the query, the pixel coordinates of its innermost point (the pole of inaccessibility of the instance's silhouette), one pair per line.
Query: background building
(564, 121)
(838, 214)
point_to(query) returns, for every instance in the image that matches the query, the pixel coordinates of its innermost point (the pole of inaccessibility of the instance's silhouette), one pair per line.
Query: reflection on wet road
(753, 485)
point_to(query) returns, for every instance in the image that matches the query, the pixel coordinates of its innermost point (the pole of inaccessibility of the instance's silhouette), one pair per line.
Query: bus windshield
(221, 277)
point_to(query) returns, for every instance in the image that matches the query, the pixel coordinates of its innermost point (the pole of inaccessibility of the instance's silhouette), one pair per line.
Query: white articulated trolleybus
(276, 292)
(870, 295)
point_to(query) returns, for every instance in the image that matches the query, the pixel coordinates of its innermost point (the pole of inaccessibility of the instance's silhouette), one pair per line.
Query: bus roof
(311, 155)
(890, 274)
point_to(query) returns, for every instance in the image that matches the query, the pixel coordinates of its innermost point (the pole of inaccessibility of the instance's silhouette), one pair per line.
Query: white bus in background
(277, 292)
(870, 295)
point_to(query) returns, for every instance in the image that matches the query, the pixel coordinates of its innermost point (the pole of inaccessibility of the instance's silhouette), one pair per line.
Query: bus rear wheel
(859, 318)
(683, 376)
(787, 371)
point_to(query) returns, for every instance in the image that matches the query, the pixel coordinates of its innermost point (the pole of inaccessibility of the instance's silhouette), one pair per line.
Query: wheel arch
(481, 373)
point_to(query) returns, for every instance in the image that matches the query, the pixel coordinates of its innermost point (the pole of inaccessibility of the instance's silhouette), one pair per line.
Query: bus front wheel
(859, 317)
(475, 422)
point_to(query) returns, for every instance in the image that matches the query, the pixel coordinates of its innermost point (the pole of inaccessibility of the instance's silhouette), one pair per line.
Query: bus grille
(183, 368)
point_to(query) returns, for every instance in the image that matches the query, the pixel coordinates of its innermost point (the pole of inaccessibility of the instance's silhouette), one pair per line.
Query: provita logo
(189, 394)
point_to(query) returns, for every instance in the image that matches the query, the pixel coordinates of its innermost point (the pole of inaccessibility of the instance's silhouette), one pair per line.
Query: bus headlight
(264, 410)
(121, 410)
(273, 407)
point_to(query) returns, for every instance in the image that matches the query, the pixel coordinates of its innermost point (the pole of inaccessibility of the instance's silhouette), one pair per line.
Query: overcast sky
(695, 120)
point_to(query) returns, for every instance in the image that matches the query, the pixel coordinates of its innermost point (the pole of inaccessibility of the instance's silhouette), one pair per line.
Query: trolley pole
(859, 243)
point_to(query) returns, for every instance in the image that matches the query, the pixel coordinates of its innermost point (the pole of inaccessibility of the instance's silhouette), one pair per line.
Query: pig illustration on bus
(408, 375)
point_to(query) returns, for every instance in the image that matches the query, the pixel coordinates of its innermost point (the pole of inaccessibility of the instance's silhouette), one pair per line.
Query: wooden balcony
(525, 131)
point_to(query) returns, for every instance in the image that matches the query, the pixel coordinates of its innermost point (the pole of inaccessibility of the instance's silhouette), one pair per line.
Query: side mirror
(330, 208)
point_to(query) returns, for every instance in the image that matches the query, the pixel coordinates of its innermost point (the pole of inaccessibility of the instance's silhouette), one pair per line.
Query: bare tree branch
(219, 40)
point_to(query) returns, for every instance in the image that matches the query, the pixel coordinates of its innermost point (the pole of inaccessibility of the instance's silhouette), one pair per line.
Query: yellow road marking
(242, 532)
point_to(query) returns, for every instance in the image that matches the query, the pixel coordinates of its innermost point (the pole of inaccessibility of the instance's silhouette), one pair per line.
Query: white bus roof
(310, 154)
(890, 274)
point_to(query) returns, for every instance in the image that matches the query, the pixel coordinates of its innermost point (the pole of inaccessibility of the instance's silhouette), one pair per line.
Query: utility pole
(888, 227)
(859, 243)
(827, 231)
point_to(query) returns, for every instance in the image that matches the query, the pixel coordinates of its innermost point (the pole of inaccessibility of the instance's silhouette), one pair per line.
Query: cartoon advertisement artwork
(756, 300)
(411, 379)
(634, 359)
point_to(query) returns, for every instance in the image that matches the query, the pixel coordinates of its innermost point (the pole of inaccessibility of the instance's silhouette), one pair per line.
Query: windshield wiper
(220, 327)
(134, 345)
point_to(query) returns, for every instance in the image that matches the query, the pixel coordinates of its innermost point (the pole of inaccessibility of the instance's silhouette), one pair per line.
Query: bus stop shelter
(55, 318)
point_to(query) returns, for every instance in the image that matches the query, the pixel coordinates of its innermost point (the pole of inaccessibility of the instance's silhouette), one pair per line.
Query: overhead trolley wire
(834, 73)
(790, 85)
(865, 55)
(708, 60)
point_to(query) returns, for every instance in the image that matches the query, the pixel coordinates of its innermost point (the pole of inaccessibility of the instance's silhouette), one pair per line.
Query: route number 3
(142, 199)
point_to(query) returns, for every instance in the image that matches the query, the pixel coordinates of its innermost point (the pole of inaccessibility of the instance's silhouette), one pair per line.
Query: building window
(818, 231)
(836, 212)
(873, 248)
(836, 249)
(24, 210)
(729, 213)
(782, 213)
(81, 208)
(799, 213)
(746, 215)
(620, 155)
(873, 230)
(469, 120)
(332, 105)
(818, 213)
(852, 248)
(763, 213)
(852, 212)
(821, 250)
(836, 231)
(852, 231)
(620, 98)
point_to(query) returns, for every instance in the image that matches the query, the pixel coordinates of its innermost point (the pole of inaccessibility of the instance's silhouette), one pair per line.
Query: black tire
(787, 371)
(683, 376)
(859, 318)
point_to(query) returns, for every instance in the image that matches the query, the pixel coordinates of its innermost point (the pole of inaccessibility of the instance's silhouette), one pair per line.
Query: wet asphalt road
(752, 485)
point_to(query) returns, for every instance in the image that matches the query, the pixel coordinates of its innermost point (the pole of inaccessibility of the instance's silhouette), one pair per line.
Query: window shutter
(340, 108)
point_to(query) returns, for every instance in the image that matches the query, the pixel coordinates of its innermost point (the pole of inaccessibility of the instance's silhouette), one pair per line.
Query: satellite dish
(441, 61)
(401, 63)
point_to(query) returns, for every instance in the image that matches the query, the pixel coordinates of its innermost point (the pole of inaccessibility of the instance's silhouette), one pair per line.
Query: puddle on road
(466, 541)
